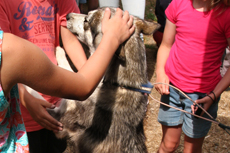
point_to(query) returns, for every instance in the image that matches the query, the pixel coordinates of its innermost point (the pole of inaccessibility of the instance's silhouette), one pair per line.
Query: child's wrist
(159, 71)
(212, 96)
(112, 39)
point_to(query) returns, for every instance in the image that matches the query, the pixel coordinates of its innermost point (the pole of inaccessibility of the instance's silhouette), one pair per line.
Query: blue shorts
(191, 126)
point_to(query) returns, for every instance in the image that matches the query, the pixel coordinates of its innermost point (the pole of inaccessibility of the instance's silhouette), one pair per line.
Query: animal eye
(85, 20)
(86, 25)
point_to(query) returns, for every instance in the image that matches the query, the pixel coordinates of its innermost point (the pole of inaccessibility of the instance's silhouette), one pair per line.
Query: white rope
(186, 97)
(183, 110)
(224, 127)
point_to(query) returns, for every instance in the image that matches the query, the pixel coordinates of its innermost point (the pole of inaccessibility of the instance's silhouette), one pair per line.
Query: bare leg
(193, 145)
(170, 139)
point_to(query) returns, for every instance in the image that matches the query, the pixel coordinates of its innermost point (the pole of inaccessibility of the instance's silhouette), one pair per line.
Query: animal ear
(146, 27)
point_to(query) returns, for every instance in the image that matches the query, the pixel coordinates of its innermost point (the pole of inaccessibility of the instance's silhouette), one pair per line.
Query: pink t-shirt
(38, 21)
(194, 61)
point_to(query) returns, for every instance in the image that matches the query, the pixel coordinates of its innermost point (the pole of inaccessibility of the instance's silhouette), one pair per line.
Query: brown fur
(111, 119)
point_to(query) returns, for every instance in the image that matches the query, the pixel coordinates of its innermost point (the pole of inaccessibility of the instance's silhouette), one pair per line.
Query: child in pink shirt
(195, 36)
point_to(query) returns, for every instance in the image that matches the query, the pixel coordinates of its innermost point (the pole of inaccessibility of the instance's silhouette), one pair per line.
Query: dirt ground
(217, 140)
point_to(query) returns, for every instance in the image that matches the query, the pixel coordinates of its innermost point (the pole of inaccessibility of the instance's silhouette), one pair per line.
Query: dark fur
(111, 119)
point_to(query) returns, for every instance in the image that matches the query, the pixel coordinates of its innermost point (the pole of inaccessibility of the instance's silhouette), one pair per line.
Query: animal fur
(111, 119)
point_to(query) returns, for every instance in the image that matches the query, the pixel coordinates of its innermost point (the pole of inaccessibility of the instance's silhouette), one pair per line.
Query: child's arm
(225, 81)
(73, 48)
(25, 63)
(162, 56)
(220, 87)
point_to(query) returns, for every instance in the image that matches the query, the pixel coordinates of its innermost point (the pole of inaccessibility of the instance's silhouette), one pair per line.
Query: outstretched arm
(25, 63)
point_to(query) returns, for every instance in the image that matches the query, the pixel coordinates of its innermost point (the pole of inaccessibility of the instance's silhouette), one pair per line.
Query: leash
(144, 88)
(221, 125)
(147, 89)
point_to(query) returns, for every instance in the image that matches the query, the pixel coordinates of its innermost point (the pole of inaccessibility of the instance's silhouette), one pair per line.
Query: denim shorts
(191, 126)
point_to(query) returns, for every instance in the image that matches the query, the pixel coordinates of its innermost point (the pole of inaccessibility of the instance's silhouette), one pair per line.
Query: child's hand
(206, 101)
(37, 110)
(161, 88)
(120, 27)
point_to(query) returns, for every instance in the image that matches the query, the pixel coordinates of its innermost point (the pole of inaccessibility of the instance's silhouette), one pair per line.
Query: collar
(145, 88)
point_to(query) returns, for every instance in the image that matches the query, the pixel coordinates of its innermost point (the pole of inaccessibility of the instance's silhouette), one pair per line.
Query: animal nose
(67, 16)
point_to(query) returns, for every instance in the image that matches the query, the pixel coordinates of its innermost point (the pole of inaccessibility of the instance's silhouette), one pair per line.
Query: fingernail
(60, 129)
(52, 106)
(59, 124)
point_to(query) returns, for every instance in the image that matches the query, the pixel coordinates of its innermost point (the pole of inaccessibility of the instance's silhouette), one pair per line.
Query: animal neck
(130, 70)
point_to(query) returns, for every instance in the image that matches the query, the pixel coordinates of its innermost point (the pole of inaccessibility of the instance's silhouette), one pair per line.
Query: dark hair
(219, 4)
(215, 3)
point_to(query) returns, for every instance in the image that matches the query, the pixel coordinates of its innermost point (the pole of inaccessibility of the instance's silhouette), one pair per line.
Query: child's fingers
(119, 12)
(194, 108)
(46, 104)
(107, 15)
(165, 89)
(131, 30)
(52, 127)
(49, 121)
(158, 88)
(51, 124)
(130, 21)
(126, 16)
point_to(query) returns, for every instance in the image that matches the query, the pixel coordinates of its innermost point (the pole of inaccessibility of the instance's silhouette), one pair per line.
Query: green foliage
(150, 10)
(151, 46)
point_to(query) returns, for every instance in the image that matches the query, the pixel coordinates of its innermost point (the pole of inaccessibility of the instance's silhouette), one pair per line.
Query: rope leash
(224, 127)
